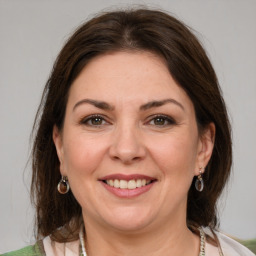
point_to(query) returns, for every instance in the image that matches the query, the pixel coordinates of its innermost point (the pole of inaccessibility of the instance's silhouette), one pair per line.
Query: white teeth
(116, 184)
(110, 183)
(123, 184)
(138, 183)
(131, 184)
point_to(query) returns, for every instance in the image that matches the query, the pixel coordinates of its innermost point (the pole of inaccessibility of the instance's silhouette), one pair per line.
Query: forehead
(127, 77)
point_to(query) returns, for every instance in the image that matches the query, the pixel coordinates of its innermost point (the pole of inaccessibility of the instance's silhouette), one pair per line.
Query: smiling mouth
(128, 184)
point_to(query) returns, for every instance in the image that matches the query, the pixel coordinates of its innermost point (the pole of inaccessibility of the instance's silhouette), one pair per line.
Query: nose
(127, 145)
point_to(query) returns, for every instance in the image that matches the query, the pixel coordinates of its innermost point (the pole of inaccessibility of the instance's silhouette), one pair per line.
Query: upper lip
(120, 176)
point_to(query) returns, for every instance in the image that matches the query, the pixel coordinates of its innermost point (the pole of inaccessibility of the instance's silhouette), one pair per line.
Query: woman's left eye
(161, 121)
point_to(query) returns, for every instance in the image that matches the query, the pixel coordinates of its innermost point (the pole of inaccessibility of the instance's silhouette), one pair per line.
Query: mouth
(128, 185)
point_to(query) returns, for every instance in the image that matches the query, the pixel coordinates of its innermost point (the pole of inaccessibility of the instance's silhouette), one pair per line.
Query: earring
(199, 184)
(63, 186)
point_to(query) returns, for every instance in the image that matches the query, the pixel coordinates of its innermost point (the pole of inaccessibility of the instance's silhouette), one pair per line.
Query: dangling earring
(199, 184)
(63, 186)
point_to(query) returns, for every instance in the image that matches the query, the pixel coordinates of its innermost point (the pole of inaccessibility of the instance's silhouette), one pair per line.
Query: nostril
(126, 159)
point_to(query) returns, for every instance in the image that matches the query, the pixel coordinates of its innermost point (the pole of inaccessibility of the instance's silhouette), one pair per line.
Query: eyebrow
(159, 103)
(105, 106)
(98, 104)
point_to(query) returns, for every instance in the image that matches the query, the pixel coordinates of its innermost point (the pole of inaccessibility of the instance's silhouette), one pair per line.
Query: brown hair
(138, 30)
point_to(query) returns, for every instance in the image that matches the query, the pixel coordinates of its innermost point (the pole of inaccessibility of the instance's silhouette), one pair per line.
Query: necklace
(81, 238)
(202, 241)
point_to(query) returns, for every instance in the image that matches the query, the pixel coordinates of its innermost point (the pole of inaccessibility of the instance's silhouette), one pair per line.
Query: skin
(126, 139)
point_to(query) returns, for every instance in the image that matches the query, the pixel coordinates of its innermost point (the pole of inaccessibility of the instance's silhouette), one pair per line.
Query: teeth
(123, 184)
(138, 184)
(116, 184)
(111, 183)
(131, 184)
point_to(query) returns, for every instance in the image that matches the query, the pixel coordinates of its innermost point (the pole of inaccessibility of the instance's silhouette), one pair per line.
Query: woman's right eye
(94, 120)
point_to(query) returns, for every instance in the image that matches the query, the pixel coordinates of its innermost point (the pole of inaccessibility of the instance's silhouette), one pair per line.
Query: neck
(175, 239)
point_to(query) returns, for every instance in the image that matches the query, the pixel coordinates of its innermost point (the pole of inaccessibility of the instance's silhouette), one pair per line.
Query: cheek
(82, 154)
(175, 154)
(82, 157)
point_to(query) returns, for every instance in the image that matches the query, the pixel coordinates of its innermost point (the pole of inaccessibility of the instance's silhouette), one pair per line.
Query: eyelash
(85, 121)
(168, 119)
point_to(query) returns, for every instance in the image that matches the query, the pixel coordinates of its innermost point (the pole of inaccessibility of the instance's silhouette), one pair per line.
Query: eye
(94, 120)
(161, 120)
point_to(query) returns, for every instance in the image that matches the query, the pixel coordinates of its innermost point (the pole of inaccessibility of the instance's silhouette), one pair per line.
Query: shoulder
(32, 250)
(232, 247)
(48, 247)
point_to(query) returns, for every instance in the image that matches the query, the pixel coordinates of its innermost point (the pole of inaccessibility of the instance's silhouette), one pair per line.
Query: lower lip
(128, 193)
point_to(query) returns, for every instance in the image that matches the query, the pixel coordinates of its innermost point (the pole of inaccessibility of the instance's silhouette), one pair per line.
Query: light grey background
(32, 33)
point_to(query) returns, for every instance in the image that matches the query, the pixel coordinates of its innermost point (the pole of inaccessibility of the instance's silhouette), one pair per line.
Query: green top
(32, 250)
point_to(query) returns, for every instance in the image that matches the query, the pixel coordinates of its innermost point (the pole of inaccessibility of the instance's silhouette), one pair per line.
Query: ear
(205, 147)
(57, 139)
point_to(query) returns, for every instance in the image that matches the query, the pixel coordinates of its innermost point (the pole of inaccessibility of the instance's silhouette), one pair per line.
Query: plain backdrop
(32, 33)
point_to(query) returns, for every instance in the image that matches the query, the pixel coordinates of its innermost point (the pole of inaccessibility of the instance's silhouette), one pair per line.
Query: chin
(128, 220)
(129, 226)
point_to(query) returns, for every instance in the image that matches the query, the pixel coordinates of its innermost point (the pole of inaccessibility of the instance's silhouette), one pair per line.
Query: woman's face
(130, 145)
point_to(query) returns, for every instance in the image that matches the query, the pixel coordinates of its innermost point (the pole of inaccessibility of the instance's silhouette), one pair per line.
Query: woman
(132, 146)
